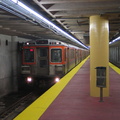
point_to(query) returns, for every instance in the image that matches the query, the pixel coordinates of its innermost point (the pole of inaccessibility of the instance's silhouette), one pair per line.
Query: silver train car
(49, 59)
(114, 54)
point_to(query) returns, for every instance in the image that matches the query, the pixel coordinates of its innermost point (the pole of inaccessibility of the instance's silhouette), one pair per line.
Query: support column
(99, 52)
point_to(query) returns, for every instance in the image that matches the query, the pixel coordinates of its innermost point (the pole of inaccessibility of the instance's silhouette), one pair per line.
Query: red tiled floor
(75, 103)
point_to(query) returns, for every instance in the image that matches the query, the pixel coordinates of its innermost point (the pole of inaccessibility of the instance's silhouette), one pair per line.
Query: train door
(76, 57)
(68, 66)
(42, 61)
(65, 60)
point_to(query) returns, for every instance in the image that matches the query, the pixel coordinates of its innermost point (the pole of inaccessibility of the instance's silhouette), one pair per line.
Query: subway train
(114, 55)
(49, 59)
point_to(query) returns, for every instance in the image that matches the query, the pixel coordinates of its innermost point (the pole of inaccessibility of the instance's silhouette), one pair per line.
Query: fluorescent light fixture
(77, 32)
(115, 40)
(49, 24)
(15, 1)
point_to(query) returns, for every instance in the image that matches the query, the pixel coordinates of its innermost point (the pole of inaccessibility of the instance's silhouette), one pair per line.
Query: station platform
(70, 99)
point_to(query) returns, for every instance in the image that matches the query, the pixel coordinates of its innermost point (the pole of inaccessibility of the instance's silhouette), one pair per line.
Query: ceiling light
(115, 40)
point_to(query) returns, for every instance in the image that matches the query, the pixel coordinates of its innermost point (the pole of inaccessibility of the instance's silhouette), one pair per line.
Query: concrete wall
(9, 63)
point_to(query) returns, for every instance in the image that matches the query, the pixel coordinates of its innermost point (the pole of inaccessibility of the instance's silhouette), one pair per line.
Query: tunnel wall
(9, 63)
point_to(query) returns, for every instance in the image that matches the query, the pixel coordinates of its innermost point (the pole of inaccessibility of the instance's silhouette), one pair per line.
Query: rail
(23, 102)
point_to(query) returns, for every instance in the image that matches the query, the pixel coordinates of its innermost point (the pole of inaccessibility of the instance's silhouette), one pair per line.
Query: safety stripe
(114, 68)
(37, 108)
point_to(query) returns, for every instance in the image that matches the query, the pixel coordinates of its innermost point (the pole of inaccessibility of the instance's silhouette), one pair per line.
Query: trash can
(101, 80)
(101, 76)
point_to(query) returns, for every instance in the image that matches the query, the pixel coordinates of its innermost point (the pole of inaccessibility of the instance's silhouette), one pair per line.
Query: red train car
(49, 58)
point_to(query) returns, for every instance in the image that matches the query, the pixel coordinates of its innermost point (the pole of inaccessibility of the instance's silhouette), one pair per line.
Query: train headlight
(29, 79)
(57, 79)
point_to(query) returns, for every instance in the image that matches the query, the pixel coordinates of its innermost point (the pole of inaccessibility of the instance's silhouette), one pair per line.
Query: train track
(12, 111)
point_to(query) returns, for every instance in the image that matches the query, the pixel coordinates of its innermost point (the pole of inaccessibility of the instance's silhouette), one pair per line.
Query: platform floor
(74, 101)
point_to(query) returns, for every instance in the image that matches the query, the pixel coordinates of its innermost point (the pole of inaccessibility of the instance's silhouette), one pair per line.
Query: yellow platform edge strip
(37, 108)
(114, 68)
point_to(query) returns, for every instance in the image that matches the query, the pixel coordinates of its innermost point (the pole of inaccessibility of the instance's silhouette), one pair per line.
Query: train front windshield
(56, 55)
(28, 55)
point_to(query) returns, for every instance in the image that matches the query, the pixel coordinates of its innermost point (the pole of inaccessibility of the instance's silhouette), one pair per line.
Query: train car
(114, 55)
(49, 59)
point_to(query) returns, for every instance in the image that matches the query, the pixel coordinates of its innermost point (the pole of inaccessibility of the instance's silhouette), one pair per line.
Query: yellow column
(99, 52)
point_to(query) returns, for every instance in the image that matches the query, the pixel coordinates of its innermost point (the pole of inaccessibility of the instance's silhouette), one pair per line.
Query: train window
(43, 63)
(6, 42)
(56, 55)
(72, 53)
(65, 54)
(43, 52)
(29, 55)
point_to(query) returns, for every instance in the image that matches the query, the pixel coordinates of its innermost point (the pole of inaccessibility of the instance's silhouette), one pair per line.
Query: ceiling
(70, 15)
